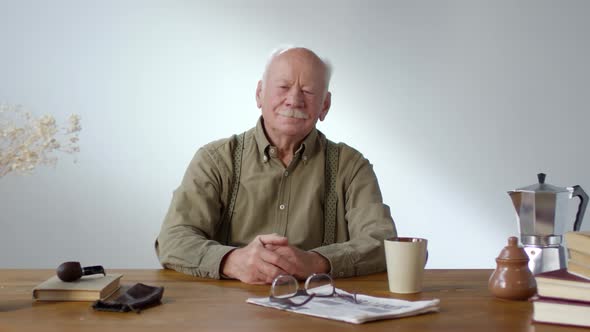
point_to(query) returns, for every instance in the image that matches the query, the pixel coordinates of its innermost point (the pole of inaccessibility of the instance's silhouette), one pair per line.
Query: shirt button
(272, 151)
(304, 158)
(265, 158)
(286, 173)
(282, 206)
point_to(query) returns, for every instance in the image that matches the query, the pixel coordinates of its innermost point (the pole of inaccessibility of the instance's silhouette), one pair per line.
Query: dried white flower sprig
(27, 141)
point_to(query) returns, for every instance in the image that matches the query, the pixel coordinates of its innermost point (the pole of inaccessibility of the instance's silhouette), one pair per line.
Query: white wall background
(454, 102)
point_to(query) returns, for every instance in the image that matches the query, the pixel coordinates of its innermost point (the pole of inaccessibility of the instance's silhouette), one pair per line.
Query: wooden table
(194, 304)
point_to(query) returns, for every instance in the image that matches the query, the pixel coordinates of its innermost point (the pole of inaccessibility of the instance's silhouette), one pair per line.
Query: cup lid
(513, 251)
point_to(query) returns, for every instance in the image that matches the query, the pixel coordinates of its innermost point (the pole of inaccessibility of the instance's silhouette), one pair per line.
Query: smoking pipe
(72, 271)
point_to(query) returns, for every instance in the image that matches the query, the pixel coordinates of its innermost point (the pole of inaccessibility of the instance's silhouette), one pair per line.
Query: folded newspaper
(367, 309)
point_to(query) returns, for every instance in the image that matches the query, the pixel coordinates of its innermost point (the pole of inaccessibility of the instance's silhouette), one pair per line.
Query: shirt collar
(309, 146)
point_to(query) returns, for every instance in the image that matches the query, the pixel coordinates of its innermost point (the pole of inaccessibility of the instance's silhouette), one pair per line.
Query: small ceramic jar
(512, 279)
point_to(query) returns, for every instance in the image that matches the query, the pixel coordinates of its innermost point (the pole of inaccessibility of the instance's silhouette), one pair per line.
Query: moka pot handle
(579, 192)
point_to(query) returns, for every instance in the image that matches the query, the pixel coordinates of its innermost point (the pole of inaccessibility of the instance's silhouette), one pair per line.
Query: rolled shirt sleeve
(364, 221)
(189, 238)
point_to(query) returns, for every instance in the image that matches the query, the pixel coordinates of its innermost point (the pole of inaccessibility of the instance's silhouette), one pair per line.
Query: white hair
(280, 50)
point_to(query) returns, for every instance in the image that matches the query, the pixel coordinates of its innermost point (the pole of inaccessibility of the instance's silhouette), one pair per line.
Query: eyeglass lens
(320, 285)
(284, 286)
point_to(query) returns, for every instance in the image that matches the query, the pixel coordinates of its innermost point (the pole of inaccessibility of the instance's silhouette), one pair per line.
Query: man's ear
(326, 106)
(259, 94)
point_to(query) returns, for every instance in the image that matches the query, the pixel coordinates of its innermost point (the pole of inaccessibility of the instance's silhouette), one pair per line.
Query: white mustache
(293, 113)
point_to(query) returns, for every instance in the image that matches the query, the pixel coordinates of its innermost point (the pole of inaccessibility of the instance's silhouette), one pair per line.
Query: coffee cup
(405, 258)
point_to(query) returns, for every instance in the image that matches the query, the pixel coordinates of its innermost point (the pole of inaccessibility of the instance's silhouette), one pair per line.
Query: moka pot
(542, 213)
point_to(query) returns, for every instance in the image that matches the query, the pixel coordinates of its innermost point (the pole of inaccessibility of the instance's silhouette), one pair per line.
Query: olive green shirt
(272, 198)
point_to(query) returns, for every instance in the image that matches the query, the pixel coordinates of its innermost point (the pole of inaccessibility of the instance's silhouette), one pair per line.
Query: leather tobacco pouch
(136, 298)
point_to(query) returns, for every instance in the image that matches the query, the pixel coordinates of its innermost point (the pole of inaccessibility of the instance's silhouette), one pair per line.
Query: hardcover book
(578, 257)
(580, 270)
(564, 285)
(578, 241)
(558, 311)
(88, 288)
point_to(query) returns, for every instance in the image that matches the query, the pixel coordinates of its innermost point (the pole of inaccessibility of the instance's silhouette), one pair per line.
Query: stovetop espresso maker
(542, 213)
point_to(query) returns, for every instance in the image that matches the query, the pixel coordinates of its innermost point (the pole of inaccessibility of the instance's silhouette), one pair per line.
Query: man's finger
(273, 239)
(269, 272)
(278, 261)
(271, 247)
(261, 278)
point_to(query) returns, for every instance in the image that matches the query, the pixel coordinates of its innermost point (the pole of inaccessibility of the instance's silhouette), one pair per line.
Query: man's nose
(294, 97)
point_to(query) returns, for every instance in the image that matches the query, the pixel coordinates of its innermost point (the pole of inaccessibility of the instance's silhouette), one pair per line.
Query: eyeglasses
(285, 287)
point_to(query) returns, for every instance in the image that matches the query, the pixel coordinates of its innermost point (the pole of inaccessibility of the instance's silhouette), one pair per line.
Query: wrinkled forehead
(297, 64)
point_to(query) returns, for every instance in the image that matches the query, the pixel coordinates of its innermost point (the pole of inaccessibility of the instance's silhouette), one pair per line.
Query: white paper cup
(405, 258)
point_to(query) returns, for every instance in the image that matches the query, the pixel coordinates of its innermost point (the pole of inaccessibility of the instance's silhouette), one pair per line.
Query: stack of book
(578, 247)
(564, 295)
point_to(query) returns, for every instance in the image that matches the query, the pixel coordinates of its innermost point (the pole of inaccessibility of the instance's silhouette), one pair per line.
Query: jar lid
(513, 251)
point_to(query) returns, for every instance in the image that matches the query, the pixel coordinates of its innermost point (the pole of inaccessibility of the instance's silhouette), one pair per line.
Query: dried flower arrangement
(27, 141)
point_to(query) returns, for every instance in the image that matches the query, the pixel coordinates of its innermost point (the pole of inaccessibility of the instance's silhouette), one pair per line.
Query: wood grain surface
(195, 304)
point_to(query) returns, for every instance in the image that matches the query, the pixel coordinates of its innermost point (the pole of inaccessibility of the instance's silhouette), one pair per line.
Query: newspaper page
(367, 309)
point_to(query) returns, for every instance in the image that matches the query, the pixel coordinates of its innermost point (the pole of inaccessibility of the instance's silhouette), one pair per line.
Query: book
(579, 257)
(368, 308)
(88, 288)
(558, 311)
(580, 270)
(578, 241)
(562, 284)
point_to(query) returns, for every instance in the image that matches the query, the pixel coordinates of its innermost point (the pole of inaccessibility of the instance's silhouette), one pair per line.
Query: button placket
(282, 201)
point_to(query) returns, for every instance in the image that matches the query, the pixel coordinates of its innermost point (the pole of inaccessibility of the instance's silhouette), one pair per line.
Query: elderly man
(279, 198)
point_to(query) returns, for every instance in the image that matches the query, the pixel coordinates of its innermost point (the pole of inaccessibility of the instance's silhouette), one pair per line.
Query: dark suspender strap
(237, 167)
(331, 199)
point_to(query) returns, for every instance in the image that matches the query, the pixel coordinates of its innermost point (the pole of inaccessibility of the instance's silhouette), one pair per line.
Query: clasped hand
(268, 256)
